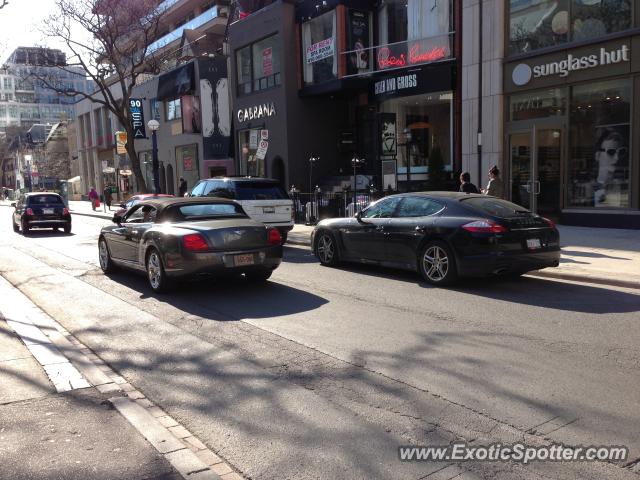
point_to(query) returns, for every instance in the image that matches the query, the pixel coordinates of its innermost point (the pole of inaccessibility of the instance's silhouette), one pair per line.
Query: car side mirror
(359, 217)
(117, 219)
(122, 205)
(13, 204)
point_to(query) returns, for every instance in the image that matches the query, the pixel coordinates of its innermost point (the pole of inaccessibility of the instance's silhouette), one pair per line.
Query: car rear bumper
(49, 223)
(501, 263)
(221, 263)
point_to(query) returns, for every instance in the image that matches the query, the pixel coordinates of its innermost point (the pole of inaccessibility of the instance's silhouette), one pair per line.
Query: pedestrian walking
(94, 198)
(107, 197)
(465, 183)
(494, 187)
(182, 189)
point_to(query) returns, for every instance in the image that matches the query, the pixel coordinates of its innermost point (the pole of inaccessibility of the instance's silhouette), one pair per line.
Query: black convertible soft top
(161, 204)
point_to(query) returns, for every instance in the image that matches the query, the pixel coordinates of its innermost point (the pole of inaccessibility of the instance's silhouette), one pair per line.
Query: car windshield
(260, 191)
(210, 210)
(494, 206)
(44, 199)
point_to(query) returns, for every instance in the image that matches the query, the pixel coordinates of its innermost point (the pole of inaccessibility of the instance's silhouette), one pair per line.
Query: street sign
(262, 149)
(137, 118)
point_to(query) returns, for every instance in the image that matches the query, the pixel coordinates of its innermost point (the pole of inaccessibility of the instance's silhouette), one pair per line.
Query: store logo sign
(523, 73)
(393, 84)
(256, 112)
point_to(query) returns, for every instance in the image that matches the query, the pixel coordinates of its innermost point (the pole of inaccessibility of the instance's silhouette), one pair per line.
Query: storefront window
(412, 32)
(599, 120)
(250, 161)
(427, 121)
(543, 103)
(536, 24)
(259, 65)
(320, 52)
(188, 164)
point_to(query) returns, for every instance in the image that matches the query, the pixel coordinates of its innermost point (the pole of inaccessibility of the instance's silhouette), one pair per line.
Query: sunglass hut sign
(523, 73)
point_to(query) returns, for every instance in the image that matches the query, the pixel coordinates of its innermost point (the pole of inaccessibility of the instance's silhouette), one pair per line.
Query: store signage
(262, 150)
(256, 112)
(386, 58)
(267, 62)
(393, 84)
(523, 73)
(121, 142)
(137, 118)
(320, 50)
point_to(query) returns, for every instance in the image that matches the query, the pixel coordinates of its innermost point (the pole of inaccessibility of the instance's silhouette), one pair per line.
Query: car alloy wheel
(15, 226)
(326, 249)
(105, 258)
(155, 272)
(25, 228)
(437, 264)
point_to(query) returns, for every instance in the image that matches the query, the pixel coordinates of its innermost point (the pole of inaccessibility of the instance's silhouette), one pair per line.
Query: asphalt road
(323, 372)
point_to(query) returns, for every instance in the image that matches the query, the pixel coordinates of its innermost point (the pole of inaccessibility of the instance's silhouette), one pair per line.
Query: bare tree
(114, 57)
(4, 4)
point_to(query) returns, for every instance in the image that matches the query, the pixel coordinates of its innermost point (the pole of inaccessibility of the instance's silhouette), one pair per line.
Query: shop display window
(259, 65)
(535, 24)
(319, 49)
(251, 163)
(188, 164)
(419, 123)
(549, 102)
(598, 173)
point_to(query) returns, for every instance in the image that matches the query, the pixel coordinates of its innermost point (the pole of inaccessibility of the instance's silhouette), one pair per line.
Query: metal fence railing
(310, 208)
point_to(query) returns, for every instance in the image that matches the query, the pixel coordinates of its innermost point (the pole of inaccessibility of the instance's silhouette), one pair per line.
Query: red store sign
(389, 59)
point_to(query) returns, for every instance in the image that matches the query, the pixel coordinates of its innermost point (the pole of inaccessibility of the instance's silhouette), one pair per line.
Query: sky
(19, 22)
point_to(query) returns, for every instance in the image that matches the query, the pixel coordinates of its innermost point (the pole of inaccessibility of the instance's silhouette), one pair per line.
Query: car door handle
(420, 229)
(134, 232)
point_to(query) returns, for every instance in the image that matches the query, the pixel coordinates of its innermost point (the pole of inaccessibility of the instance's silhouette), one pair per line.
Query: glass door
(535, 159)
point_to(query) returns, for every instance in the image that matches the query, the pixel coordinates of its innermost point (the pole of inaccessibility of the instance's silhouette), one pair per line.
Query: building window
(174, 110)
(259, 65)
(250, 164)
(319, 49)
(412, 126)
(412, 32)
(599, 120)
(155, 109)
(7, 83)
(536, 24)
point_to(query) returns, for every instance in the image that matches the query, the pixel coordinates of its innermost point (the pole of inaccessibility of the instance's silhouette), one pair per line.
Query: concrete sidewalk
(599, 255)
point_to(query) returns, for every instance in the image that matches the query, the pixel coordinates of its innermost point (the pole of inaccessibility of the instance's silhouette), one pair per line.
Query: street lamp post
(355, 163)
(153, 126)
(27, 163)
(312, 161)
(407, 144)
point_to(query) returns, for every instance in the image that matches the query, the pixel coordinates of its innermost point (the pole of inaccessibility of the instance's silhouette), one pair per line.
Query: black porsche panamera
(442, 235)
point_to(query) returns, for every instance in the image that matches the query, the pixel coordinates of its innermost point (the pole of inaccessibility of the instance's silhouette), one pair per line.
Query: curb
(574, 277)
(94, 215)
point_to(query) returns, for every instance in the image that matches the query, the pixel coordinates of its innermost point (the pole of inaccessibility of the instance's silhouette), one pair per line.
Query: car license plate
(242, 260)
(268, 209)
(47, 211)
(533, 243)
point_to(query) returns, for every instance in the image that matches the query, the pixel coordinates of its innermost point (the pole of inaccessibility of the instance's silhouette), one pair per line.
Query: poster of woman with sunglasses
(612, 161)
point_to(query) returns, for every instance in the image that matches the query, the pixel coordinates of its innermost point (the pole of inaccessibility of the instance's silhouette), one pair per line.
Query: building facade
(317, 85)
(559, 110)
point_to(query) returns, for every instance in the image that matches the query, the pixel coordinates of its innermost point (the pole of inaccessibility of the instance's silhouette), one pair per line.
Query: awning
(177, 82)
(73, 180)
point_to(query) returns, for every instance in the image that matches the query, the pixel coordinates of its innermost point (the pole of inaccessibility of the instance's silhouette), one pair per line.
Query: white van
(262, 199)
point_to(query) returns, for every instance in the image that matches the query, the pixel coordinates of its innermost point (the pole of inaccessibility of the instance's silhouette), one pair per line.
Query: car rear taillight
(484, 226)
(551, 223)
(194, 242)
(274, 237)
(29, 211)
(65, 211)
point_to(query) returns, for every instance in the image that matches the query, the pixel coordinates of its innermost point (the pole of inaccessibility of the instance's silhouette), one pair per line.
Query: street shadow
(298, 255)
(226, 298)
(43, 233)
(574, 253)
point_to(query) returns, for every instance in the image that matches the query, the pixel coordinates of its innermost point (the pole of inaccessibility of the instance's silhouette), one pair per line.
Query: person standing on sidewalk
(494, 187)
(182, 189)
(107, 197)
(465, 183)
(93, 197)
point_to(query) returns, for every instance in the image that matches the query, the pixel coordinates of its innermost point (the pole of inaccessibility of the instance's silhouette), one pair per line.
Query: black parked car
(41, 210)
(172, 238)
(442, 235)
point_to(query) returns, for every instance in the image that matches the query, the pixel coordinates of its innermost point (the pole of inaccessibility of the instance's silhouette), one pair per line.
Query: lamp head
(153, 125)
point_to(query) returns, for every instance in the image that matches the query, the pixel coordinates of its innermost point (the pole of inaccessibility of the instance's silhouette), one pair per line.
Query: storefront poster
(320, 50)
(215, 109)
(261, 153)
(388, 138)
(191, 118)
(608, 184)
(358, 42)
(177, 82)
(267, 62)
(187, 163)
